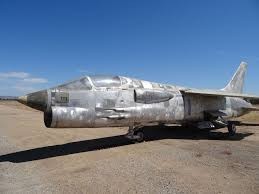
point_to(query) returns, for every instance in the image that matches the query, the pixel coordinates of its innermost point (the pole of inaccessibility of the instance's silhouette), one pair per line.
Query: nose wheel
(135, 134)
(140, 136)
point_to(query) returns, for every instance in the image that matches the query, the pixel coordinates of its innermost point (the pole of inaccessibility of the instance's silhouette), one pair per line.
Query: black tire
(231, 129)
(140, 136)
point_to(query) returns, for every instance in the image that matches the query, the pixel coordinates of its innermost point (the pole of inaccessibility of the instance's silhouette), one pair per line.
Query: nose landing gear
(135, 134)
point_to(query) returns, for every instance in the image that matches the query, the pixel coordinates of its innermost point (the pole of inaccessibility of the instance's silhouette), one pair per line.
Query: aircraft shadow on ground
(151, 134)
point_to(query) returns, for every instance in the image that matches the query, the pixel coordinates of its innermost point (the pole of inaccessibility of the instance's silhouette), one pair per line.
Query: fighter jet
(118, 101)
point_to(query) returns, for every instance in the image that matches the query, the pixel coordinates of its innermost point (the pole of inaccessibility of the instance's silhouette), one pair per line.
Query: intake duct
(68, 117)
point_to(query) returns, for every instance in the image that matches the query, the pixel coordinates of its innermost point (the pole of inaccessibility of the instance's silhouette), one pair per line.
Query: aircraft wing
(218, 93)
(251, 108)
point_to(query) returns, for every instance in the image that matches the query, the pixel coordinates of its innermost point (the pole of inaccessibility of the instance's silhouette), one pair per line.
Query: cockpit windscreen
(106, 81)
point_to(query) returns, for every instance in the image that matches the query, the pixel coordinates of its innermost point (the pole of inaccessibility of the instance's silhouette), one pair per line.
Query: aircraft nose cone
(36, 100)
(23, 99)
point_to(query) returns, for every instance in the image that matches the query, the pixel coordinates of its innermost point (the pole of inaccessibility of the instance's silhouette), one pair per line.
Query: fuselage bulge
(107, 101)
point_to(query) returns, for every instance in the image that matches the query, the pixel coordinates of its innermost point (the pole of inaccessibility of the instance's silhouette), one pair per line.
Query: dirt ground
(34, 159)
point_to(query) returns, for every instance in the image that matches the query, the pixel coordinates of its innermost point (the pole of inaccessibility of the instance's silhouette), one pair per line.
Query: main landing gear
(231, 128)
(229, 124)
(135, 134)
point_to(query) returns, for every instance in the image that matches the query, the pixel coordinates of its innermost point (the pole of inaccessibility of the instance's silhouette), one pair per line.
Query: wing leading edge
(251, 108)
(218, 93)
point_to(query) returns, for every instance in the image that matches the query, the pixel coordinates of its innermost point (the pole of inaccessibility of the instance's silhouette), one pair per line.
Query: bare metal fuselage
(131, 103)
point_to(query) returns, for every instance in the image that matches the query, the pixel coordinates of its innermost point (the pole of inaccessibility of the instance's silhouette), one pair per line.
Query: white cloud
(8, 75)
(35, 80)
(23, 76)
(20, 83)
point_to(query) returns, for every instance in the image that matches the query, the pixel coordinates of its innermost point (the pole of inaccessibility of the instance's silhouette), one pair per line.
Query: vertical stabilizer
(237, 82)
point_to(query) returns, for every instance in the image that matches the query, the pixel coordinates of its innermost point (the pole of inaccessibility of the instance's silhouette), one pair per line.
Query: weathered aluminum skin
(132, 104)
(237, 82)
(102, 101)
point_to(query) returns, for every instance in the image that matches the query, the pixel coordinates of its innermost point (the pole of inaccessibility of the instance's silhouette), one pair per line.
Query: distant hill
(8, 98)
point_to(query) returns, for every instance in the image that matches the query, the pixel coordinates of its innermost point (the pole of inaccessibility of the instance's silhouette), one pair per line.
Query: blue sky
(188, 43)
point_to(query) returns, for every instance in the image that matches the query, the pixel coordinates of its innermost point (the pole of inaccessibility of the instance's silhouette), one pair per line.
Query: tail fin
(237, 82)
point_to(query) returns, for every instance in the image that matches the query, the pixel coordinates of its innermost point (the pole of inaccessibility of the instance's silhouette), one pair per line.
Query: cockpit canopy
(87, 83)
(105, 81)
(80, 84)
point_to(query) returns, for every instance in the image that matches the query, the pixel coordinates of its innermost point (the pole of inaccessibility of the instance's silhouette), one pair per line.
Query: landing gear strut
(231, 128)
(135, 134)
(221, 122)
